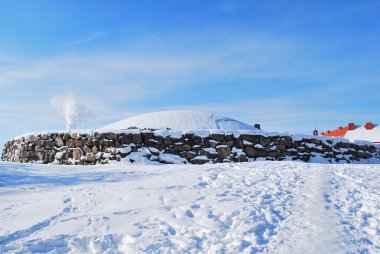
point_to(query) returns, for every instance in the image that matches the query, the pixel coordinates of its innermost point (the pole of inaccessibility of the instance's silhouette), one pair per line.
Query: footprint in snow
(202, 184)
(195, 206)
(66, 200)
(189, 214)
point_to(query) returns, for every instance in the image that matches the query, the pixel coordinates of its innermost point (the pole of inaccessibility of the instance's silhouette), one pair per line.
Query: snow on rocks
(103, 147)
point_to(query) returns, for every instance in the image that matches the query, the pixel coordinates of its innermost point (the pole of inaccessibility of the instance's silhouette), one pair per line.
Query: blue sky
(285, 64)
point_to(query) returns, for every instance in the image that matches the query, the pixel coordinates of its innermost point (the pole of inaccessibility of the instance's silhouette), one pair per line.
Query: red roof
(340, 132)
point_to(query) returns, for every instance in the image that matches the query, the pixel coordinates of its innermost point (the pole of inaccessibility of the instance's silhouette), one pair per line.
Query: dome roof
(180, 120)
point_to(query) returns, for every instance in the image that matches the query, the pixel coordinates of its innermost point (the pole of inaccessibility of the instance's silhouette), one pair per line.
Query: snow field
(273, 207)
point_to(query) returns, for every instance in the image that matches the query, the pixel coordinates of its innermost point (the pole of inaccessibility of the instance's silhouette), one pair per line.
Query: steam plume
(72, 108)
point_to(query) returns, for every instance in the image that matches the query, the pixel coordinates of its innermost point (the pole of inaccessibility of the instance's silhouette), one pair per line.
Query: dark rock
(255, 152)
(136, 138)
(190, 141)
(251, 138)
(40, 156)
(328, 155)
(228, 143)
(217, 137)
(285, 142)
(265, 142)
(66, 137)
(86, 149)
(39, 142)
(189, 136)
(89, 142)
(362, 154)
(301, 149)
(188, 154)
(182, 148)
(111, 135)
(125, 139)
(70, 143)
(90, 157)
(199, 160)
(238, 143)
(168, 141)
(78, 143)
(274, 153)
(223, 152)
(59, 142)
(241, 158)
(146, 136)
(49, 156)
(31, 156)
(171, 151)
(39, 149)
(95, 141)
(210, 153)
(105, 143)
(151, 142)
(49, 144)
(213, 143)
(229, 137)
(94, 149)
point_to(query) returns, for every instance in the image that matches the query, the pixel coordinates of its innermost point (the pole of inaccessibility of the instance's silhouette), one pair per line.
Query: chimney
(257, 126)
(369, 126)
(351, 126)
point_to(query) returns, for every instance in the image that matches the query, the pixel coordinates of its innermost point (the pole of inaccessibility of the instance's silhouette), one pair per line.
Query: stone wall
(151, 146)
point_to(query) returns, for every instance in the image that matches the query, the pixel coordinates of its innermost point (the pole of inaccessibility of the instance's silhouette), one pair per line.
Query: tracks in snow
(273, 207)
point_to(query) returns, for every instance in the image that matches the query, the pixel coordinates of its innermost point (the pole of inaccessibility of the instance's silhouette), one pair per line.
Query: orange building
(368, 132)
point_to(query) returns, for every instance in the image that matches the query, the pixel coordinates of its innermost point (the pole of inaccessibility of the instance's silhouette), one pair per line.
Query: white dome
(180, 120)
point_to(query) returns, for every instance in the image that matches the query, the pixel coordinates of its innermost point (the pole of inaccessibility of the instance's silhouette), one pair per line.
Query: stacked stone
(96, 147)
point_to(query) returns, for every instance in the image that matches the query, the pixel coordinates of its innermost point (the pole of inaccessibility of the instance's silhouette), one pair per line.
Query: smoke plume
(72, 109)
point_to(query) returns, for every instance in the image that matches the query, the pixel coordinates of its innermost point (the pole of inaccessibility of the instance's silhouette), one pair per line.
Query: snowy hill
(270, 207)
(183, 120)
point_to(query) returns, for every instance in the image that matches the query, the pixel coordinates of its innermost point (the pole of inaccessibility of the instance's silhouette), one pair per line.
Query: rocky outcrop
(97, 147)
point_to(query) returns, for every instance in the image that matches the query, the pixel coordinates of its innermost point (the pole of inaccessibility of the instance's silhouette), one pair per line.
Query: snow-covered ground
(274, 207)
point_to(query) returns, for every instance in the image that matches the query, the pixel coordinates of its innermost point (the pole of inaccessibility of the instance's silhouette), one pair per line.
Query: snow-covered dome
(180, 120)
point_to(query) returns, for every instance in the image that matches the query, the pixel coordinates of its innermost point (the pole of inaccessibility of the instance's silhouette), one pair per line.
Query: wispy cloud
(85, 39)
